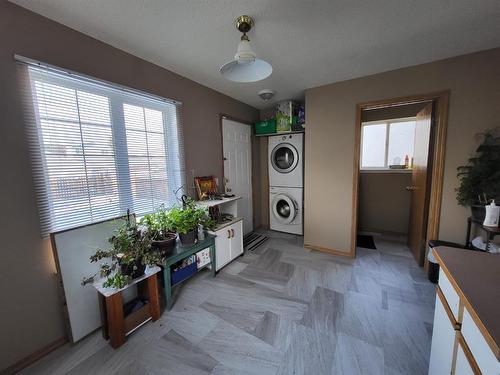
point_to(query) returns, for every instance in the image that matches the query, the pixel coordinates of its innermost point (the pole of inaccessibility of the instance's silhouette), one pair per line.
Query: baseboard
(346, 254)
(33, 357)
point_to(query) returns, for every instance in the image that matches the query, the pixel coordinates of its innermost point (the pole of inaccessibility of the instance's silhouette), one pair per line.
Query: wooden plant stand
(115, 325)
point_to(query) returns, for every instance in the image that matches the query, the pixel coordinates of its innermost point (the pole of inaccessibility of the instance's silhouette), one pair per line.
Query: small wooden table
(181, 252)
(115, 325)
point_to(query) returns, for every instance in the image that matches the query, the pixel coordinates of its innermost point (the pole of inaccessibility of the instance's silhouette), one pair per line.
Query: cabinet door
(479, 348)
(222, 248)
(462, 366)
(443, 341)
(237, 239)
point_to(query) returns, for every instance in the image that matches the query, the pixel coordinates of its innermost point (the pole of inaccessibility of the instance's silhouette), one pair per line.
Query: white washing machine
(286, 161)
(286, 210)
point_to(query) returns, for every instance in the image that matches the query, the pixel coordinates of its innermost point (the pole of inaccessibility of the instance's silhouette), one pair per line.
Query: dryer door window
(284, 158)
(284, 209)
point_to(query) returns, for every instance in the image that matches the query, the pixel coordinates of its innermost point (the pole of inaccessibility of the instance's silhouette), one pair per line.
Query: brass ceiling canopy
(244, 23)
(245, 67)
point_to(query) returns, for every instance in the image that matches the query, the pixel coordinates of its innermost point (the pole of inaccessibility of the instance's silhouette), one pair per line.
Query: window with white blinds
(101, 150)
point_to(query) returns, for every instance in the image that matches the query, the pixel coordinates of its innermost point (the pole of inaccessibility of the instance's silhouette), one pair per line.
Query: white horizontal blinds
(101, 151)
(146, 157)
(78, 152)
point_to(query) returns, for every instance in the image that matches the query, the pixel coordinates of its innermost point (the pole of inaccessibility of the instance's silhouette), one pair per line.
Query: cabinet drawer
(450, 294)
(481, 351)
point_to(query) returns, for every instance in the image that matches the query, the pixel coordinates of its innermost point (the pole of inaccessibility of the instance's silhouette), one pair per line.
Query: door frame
(441, 100)
(224, 116)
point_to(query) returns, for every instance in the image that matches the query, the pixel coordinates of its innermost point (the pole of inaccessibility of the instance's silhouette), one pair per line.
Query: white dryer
(286, 209)
(286, 162)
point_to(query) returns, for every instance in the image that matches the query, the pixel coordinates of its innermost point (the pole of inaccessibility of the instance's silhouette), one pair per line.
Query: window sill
(385, 170)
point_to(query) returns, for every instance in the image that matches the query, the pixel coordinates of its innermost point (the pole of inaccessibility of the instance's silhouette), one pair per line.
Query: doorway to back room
(396, 146)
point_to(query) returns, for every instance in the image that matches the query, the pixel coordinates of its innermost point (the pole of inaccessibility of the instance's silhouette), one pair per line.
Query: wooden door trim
(441, 100)
(222, 117)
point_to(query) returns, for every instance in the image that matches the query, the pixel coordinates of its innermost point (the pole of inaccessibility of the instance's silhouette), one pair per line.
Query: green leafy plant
(117, 281)
(131, 247)
(480, 178)
(185, 219)
(158, 224)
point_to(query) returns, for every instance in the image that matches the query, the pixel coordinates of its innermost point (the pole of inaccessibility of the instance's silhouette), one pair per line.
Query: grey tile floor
(282, 309)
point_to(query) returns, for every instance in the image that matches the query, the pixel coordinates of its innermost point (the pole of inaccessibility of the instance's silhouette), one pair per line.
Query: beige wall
(474, 81)
(30, 313)
(384, 203)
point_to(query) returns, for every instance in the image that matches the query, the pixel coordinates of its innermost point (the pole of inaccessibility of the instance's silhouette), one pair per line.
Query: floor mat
(366, 242)
(252, 241)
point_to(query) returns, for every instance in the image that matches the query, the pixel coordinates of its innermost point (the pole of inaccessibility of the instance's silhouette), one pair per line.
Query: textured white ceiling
(309, 43)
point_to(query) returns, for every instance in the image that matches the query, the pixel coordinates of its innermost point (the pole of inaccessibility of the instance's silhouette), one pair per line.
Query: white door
(237, 149)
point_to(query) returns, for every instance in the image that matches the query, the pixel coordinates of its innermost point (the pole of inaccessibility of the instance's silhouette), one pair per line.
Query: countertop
(476, 278)
(211, 203)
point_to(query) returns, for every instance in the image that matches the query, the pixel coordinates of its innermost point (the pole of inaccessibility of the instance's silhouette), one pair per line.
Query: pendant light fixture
(245, 67)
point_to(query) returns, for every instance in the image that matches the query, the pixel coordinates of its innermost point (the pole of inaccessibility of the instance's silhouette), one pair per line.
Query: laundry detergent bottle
(492, 214)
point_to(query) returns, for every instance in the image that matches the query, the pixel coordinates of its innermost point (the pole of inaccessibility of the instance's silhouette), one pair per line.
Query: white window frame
(117, 97)
(387, 123)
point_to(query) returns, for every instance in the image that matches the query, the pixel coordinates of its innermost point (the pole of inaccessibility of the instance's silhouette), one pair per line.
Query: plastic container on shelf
(266, 126)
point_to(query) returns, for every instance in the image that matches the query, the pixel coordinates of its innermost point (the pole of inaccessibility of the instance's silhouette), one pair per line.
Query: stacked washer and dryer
(286, 183)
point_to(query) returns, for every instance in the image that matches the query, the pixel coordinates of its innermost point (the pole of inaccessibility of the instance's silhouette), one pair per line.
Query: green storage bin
(265, 127)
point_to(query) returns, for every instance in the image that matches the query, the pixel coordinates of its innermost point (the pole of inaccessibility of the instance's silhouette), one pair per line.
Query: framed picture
(205, 186)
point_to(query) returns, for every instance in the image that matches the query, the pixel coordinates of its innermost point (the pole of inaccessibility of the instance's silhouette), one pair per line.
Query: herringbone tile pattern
(280, 310)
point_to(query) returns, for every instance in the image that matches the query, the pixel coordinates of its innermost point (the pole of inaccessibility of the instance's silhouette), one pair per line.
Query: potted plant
(160, 228)
(130, 253)
(185, 220)
(480, 178)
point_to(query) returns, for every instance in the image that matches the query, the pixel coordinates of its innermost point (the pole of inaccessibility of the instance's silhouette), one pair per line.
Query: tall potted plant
(130, 253)
(480, 178)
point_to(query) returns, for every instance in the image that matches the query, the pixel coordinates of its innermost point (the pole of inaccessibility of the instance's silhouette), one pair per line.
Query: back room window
(386, 143)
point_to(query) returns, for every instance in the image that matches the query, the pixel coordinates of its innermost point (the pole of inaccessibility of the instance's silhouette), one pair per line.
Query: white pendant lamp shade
(253, 71)
(246, 67)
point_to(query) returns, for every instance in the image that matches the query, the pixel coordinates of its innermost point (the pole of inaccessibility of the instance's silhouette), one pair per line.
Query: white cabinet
(229, 240)
(480, 350)
(450, 294)
(443, 341)
(464, 363)
(222, 248)
(228, 244)
(236, 239)
(458, 345)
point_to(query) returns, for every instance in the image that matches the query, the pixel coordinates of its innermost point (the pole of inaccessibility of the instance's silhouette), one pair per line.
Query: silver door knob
(411, 188)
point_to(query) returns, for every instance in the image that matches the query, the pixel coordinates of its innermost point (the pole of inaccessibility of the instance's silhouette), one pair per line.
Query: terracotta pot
(189, 238)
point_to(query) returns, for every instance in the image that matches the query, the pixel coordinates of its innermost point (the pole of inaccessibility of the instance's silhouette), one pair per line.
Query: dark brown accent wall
(30, 313)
